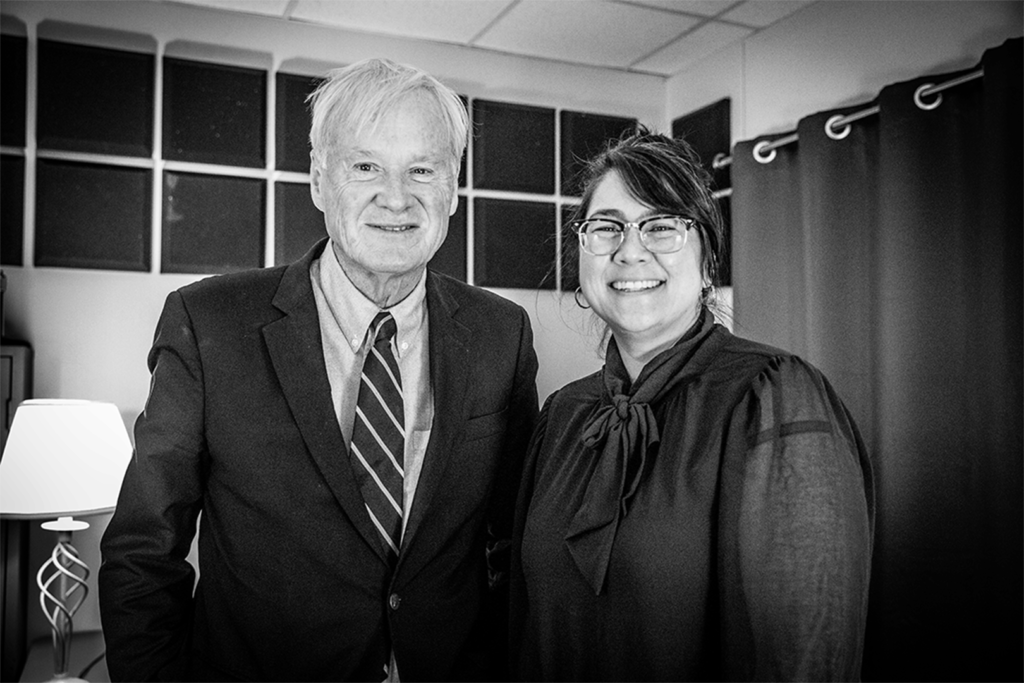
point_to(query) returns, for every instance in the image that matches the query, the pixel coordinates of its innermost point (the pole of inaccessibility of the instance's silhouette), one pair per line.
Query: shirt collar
(354, 312)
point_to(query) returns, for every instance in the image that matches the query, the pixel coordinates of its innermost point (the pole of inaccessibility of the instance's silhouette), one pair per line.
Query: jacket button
(394, 601)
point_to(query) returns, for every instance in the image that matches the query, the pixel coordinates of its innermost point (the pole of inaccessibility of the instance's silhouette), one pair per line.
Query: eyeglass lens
(659, 234)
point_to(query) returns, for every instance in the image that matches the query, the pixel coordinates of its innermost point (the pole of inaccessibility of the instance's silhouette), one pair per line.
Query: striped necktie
(377, 451)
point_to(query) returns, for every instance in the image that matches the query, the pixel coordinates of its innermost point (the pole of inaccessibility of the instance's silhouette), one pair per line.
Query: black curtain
(891, 258)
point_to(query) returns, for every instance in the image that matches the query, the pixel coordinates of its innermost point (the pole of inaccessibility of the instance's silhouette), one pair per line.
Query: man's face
(386, 193)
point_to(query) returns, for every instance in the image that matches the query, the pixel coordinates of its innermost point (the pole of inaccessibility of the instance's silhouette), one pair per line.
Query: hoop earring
(706, 292)
(576, 296)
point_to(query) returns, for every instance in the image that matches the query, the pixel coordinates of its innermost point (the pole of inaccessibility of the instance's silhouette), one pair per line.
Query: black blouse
(743, 552)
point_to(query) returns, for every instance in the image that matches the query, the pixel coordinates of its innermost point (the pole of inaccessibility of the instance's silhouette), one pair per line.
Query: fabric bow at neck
(621, 434)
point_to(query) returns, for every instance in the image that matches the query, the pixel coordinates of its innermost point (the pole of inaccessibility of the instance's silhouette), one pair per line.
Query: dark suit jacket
(239, 425)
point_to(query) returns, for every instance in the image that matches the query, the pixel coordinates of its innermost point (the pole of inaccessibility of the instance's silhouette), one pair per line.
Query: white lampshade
(63, 458)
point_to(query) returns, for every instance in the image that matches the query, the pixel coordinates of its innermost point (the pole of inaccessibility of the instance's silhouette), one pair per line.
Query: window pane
(583, 137)
(212, 224)
(293, 121)
(707, 131)
(450, 259)
(514, 244)
(12, 210)
(514, 147)
(95, 100)
(92, 216)
(298, 224)
(214, 114)
(13, 52)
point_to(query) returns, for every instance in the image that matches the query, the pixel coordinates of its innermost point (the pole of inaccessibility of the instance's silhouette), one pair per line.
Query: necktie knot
(383, 328)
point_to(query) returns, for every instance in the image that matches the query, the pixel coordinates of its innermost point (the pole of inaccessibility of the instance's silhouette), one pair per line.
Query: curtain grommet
(919, 94)
(759, 152)
(837, 134)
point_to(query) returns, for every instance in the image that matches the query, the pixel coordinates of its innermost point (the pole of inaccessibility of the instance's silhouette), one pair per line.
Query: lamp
(63, 458)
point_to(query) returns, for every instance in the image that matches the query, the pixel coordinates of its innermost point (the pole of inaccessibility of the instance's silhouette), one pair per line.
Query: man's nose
(393, 193)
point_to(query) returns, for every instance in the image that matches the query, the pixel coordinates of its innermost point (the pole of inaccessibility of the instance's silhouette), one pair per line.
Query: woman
(701, 508)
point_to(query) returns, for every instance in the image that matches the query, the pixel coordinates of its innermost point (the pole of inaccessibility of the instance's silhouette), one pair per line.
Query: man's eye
(363, 167)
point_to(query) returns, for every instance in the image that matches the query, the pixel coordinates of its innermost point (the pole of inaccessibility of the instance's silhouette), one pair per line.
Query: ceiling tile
(696, 45)
(274, 8)
(593, 32)
(704, 8)
(455, 21)
(764, 12)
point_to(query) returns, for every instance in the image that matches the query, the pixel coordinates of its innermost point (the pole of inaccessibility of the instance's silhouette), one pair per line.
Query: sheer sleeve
(795, 532)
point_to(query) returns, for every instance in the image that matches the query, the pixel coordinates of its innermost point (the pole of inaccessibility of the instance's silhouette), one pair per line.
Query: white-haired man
(339, 539)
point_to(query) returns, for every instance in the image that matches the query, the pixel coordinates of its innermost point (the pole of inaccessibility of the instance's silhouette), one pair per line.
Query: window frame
(158, 165)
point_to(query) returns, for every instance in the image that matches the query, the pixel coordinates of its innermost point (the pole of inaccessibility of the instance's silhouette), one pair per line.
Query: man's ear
(315, 179)
(455, 202)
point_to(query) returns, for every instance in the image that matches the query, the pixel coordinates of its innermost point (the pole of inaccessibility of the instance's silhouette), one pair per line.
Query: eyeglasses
(659, 234)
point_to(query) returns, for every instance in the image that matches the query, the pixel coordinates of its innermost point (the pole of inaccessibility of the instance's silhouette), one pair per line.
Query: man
(328, 550)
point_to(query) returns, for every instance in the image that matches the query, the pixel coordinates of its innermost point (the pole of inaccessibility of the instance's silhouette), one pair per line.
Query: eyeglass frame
(578, 224)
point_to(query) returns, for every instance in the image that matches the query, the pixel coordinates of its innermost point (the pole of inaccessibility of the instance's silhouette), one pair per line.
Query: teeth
(634, 285)
(394, 228)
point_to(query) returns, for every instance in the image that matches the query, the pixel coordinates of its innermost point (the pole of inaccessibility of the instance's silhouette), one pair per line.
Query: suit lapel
(296, 351)
(449, 362)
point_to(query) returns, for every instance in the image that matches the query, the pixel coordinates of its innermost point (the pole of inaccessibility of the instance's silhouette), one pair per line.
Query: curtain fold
(891, 259)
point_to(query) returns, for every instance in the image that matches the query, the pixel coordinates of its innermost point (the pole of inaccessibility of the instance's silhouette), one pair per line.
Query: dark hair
(664, 174)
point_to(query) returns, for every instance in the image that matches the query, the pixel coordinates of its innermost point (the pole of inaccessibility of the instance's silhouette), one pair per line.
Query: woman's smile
(630, 286)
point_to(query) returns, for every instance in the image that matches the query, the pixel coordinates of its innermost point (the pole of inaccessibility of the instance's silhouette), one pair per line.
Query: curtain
(891, 258)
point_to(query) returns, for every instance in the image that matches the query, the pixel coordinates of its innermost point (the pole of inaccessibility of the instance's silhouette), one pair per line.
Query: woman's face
(648, 300)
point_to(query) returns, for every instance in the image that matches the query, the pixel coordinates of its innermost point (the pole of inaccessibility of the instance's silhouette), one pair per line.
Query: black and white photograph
(512, 340)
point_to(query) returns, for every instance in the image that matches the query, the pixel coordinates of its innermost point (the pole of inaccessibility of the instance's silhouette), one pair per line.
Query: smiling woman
(700, 506)
(648, 289)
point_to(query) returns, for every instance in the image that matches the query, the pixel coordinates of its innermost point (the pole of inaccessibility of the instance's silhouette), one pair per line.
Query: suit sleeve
(522, 417)
(796, 529)
(145, 581)
(518, 593)
(522, 411)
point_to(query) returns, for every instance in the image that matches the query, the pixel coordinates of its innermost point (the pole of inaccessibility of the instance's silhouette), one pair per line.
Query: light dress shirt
(345, 316)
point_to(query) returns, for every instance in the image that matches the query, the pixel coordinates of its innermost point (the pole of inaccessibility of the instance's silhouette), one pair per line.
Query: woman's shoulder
(782, 390)
(564, 411)
(584, 390)
(739, 350)
(764, 372)
(739, 361)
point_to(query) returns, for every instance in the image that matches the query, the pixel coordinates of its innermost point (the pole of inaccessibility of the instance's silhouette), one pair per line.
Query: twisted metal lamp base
(70, 573)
